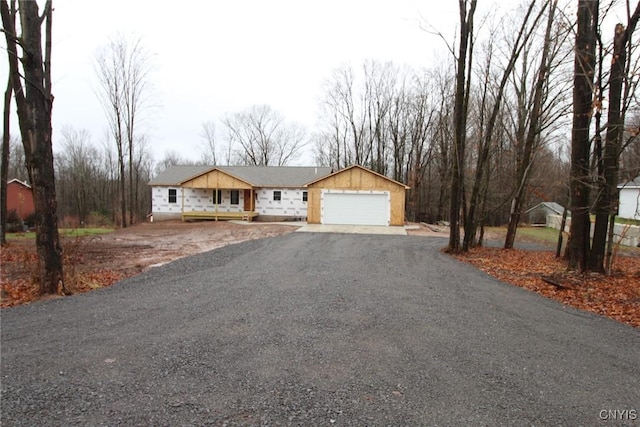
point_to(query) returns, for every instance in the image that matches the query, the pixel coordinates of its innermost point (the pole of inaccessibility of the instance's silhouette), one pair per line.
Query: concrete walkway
(343, 229)
(353, 229)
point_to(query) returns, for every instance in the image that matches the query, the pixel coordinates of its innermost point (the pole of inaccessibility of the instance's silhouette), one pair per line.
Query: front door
(247, 201)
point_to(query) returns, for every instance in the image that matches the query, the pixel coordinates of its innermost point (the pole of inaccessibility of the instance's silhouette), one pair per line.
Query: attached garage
(355, 207)
(356, 196)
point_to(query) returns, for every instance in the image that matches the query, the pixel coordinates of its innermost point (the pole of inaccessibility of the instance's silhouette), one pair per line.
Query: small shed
(20, 199)
(538, 213)
(356, 196)
(629, 196)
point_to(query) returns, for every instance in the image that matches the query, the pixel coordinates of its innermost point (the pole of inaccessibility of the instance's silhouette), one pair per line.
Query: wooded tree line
(603, 77)
(486, 134)
(479, 137)
(402, 123)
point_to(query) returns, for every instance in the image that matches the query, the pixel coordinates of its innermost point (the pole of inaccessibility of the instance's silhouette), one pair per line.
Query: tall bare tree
(4, 166)
(31, 80)
(78, 174)
(264, 137)
(464, 59)
(606, 203)
(214, 152)
(579, 182)
(123, 68)
(525, 31)
(535, 114)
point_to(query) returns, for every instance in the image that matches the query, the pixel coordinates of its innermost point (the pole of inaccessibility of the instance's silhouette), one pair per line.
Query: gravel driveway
(316, 329)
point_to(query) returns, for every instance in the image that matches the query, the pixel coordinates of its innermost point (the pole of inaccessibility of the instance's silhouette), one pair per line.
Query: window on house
(217, 197)
(304, 196)
(235, 197)
(277, 195)
(173, 195)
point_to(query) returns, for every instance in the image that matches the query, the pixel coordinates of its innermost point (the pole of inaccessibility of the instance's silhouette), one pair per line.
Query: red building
(20, 198)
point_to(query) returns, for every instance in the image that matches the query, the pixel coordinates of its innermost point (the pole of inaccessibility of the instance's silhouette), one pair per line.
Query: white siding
(201, 200)
(195, 199)
(629, 203)
(160, 201)
(291, 203)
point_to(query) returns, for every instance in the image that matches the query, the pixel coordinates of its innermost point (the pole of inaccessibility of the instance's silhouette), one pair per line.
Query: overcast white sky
(214, 57)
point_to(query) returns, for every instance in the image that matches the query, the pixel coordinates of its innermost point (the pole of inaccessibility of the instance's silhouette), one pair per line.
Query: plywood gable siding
(357, 179)
(397, 208)
(216, 179)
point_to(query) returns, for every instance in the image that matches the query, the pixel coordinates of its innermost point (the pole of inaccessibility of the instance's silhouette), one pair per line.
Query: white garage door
(356, 208)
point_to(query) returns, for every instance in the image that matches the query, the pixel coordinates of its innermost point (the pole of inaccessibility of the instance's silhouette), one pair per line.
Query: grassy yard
(542, 234)
(545, 234)
(64, 232)
(627, 221)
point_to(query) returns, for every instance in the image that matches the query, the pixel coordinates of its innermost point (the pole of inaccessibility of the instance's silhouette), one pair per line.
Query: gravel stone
(314, 329)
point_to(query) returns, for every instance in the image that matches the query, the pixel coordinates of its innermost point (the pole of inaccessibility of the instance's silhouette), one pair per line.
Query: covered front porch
(217, 195)
(222, 216)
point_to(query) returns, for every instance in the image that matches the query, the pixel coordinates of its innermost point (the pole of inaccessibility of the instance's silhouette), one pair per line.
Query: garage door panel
(356, 208)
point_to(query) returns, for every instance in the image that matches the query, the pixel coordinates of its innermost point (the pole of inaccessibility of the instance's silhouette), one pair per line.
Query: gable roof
(17, 181)
(634, 183)
(362, 168)
(174, 175)
(258, 176)
(555, 207)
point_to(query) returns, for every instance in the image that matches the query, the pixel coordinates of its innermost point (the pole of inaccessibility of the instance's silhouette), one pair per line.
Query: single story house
(538, 213)
(354, 195)
(232, 192)
(20, 199)
(629, 197)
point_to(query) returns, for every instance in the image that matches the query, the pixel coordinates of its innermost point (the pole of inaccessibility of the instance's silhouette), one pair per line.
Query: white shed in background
(629, 195)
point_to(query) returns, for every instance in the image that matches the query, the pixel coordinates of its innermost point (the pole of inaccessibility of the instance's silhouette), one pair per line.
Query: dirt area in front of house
(96, 261)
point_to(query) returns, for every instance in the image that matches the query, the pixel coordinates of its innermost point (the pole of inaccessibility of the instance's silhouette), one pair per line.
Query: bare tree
(34, 102)
(606, 203)
(123, 68)
(171, 158)
(210, 153)
(6, 139)
(214, 152)
(78, 173)
(342, 140)
(264, 138)
(535, 115)
(461, 102)
(487, 132)
(584, 69)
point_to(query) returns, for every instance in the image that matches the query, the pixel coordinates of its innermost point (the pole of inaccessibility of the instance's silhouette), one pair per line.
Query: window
(235, 197)
(277, 195)
(217, 197)
(304, 196)
(173, 195)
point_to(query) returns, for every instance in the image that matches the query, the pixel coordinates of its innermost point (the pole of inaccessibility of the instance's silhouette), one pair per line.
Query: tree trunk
(563, 224)
(34, 104)
(607, 201)
(6, 137)
(584, 65)
(460, 120)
